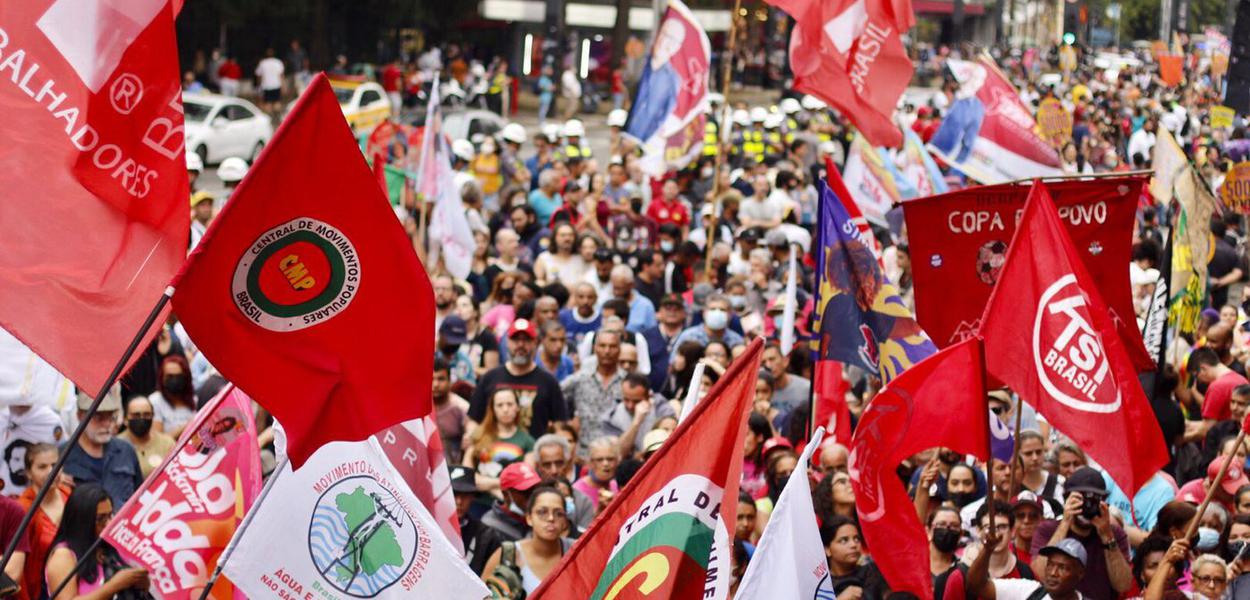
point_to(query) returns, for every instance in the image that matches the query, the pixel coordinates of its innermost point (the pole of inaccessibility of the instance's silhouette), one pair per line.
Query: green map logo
(296, 275)
(360, 538)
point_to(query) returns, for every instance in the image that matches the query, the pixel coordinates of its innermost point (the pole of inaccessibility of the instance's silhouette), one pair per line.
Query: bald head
(1220, 338)
(833, 457)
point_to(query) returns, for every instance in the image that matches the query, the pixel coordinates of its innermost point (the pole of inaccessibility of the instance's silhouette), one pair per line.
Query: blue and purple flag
(860, 319)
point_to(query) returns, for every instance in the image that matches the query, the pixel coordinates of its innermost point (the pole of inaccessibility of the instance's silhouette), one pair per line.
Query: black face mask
(1238, 549)
(945, 540)
(177, 384)
(636, 205)
(139, 427)
(961, 499)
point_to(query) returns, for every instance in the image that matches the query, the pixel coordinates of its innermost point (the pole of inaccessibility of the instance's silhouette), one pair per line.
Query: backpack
(505, 580)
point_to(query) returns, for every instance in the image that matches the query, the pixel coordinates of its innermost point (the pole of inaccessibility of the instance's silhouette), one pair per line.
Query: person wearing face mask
(715, 326)
(174, 398)
(1086, 520)
(944, 530)
(151, 446)
(505, 522)
(1238, 555)
(99, 456)
(488, 170)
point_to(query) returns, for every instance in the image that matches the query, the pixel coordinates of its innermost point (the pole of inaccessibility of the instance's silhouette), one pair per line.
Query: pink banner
(179, 522)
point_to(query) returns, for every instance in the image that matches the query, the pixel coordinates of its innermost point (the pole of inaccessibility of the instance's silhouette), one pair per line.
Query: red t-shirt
(391, 77)
(955, 582)
(230, 70)
(1219, 393)
(665, 212)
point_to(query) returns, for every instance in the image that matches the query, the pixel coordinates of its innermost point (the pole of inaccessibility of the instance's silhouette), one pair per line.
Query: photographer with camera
(1086, 519)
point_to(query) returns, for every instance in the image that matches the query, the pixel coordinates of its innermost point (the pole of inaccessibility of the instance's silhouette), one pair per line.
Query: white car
(218, 127)
(465, 124)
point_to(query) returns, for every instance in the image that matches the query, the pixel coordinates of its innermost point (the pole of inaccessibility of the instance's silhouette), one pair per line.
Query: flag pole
(726, 125)
(247, 520)
(147, 483)
(989, 440)
(1015, 442)
(1219, 479)
(54, 475)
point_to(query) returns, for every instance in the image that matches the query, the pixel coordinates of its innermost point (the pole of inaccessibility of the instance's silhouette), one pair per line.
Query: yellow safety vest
(496, 85)
(791, 127)
(711, 138)
(570, 151)
(753, 144)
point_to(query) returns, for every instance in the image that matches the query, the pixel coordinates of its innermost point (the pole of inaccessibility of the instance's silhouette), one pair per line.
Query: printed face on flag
(682, 46)
(672, 91)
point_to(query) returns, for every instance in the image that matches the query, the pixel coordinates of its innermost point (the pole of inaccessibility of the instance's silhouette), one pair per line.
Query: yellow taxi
(364, 103)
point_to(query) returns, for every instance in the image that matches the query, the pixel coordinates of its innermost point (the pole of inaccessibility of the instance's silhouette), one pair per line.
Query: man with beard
(101, 458)
(537, 390)
(1087, 522)
(444, 298)
(1003, 563)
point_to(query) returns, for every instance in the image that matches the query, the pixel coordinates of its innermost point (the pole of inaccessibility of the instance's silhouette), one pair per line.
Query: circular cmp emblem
(991, 257)
(296, 275)
(360, 539)
(1068, 353)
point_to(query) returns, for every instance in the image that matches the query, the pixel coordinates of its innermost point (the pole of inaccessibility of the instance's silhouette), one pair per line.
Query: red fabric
(391, 77)
(1050, 337)
(831, 409)
(662, 211)
(959, 241)
(685, 494)
(848, 54)
(416, 450)
(332, 331)
(1171, 69)
(93, 180)
(939, 402)
(1215, 404)
(230, 70)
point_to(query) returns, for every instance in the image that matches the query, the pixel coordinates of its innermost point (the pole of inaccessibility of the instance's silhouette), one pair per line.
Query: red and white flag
(938, 402)
(848, 54)
(1050, 337)
(449, 224)
(177, 525)
(93, 179)
(416, 451)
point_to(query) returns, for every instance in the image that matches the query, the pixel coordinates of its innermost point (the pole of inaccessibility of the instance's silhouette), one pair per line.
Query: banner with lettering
(1235, 191)
(988, 133)
(345, 525)
(959, 245)
(870, 181)
(180, 521)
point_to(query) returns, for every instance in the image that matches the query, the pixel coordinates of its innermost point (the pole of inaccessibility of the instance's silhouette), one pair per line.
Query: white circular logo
(296, 275)
(125, 93)
(1068, 352)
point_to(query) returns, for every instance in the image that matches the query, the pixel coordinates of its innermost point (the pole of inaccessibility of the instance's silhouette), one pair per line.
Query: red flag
(1171, 69)
(306, 291)
(939, 402)
(959, 241)
(848, 54)
(831, 410)
(416, 450)
(179, 522)
(94, 221)
(1049, 336)
(668, 533)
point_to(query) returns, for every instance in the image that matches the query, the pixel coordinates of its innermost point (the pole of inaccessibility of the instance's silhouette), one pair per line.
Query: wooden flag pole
(726, 125)
(989, 443)
(1015, 444)
(70, 444)
(1219, 479)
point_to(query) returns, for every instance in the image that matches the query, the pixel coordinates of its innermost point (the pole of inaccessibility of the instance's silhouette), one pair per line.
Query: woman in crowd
(536, 556)
(1048, 486)
(174, 399)
(561, 262)
(47, 518)
(599, 483)
(483, 345)
(780, 466)
(834, 496)
(753, 467)
(102, 574)
(501, 308)
(849, 568)
(500, 440)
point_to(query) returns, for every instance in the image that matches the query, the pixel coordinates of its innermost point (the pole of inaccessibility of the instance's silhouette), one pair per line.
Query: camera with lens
(1091, 505)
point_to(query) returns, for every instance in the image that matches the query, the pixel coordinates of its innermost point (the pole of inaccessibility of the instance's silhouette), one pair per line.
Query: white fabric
(308, 512)
(789, 561)
(40, 424)
(450, 235)
(28, 380)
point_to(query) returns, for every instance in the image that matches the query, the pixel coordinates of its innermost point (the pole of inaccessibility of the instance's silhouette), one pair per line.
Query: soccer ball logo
(990, 259)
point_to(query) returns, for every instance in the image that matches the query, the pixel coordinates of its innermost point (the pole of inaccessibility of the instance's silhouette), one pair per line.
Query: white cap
(232, 170)
(194, 163)
(463, 149)
(811, 102)
(716, 98)
(741, 117)
(773, 121)
(790, 106)
(552, 131)
(572, 128)
(617, 118)
(758, 114)
(827, 148)
(513, 132)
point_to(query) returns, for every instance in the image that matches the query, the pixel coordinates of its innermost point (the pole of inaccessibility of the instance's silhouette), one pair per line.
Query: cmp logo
(361, 539)
(296, 275)
(1068, 352)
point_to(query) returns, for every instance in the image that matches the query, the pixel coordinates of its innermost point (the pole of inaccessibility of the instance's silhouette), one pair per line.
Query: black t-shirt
(537, 390)
(653, 291)
(482, 343)
(1223, 261)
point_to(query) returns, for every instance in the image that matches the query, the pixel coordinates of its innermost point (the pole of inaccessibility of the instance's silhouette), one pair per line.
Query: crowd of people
(599, 301)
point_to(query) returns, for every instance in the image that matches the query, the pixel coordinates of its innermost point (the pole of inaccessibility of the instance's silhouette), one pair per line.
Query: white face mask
(716, 319)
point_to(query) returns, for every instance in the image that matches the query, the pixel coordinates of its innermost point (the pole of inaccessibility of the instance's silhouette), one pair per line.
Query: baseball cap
(774, 443)
(199, 197)
(1069, 547)
(750, 234)
(519, 476)
(454, 330)
(462, 481)
(672, 300)
(112, 400)
(1086, 479)
(654, 440)
(1233, 479)
(1027, 498)
(603, 254)
(525, 326)
(776, 237)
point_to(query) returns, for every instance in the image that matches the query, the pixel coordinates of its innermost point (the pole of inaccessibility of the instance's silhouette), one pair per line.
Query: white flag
(450, 234)
(346, 525)
(789, 561)
(692, 393)
(792, 301)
